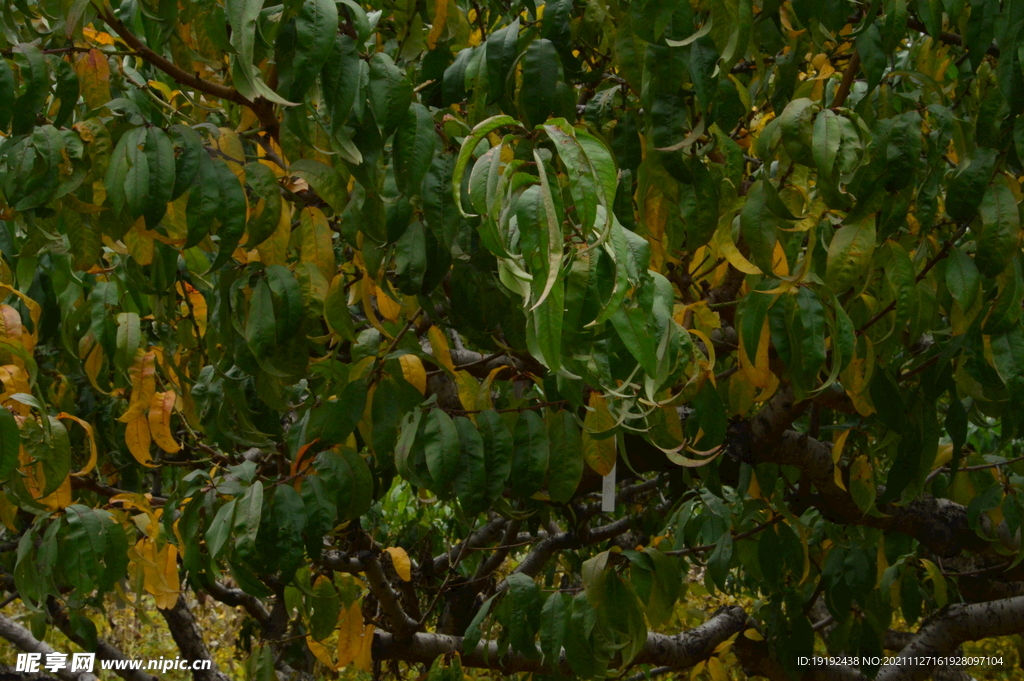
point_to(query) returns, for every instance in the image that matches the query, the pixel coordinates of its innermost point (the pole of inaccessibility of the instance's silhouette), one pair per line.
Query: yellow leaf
(365, 287)
(60, 497)
(753, 634)
(316, 241)
(400, 559)
(439, 348)
(143, 375)
(389, 309)
(759, 372)
(137, 437)
(837, 455)
(364, 660)
(92, 443)
(469, 389)
(8, 513)
(160, 408)
(600, 455)
(230, 145)
(483, 398)
(727, 249)
(139, 246)
(159, 569)
(350, 634)
(274, 249)
(412, 370)
(440, 19)
(655, 216)
(320, 652)
(265, 158)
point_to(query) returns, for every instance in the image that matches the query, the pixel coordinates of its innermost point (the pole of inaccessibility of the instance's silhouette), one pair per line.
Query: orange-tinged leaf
(138, 438)
(160, 407)
(93, 77)
(439, 348)
(600, 454)
(400, 559)
(414, 373)
(316, 243)
(34, 311)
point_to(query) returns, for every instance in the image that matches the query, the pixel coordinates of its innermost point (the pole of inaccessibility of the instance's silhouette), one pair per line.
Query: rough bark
(943, 634)
(679, 652)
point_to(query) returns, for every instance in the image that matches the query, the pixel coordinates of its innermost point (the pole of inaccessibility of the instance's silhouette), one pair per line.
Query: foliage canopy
(490, 327)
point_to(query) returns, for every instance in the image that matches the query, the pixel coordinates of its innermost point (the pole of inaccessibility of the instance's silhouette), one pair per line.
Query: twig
(979, 467)
(742, 535)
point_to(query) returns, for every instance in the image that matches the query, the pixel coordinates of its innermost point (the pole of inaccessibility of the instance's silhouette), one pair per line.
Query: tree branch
(679, 652)
(186, 634)
(263, 109)
(404, 625)
(950, 628)
(23, 638)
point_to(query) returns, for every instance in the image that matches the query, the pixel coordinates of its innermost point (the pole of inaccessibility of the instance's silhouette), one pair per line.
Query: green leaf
(10, 443)
(390, 92)
(967, 184)
(497, 442)
(334, 420)
(340, 80)
(566, 451)
(554, 619)
(1000, 219)
(220, 529)
(530, 454)
(471, 480)
(872, 55)
(243, 15)
(162, 175)
(324, 179)
(540, 74)
(261, 324)
(796, 125)
(827, 136)
(414, 148)
(7, 90)
(469, 145)
(441, 446)
(631, 325)
(264, 184)
(849, 255)
(501, 53)
(758, 227)
(232, 214)
(315, 26)
(190, 153)
(349, 479)
(203, 201)
(248, 513)
(703, 63)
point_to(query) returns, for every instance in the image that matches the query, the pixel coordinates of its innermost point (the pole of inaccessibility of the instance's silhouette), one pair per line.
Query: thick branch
(187, 636)
(23, 638)
(679, 652)
(947, 631)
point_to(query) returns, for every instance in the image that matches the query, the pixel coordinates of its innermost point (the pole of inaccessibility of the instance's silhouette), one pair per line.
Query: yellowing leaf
(439, 348)
(727, 249)
(230, 145)
(274, 249)
(400, 559)
(364, 660)
(316, 241)
(759, 372)
(469, 389)
(389, 309)
(138, 439)
(93, 77)
(143, 376)
(837, 455)
(320, 652)
(92, 443)
(160, 408)
(413, 372)
(753, 634)
(440, 19)
(600, 454)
